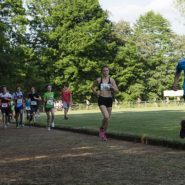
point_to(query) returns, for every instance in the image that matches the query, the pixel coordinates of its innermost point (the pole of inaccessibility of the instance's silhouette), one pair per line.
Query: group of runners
(13, 105)
(103, 87)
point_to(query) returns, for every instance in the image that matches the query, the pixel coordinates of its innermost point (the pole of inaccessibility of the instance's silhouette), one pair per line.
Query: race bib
(50, 102)
(19, 101)
(28, 108)
(4, 105)
(33, 102)
(104, 87)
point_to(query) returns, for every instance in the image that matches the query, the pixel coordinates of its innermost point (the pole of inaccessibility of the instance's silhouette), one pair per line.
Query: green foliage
(57, 41)
(74, 40)
(144, 60)
(12, 28)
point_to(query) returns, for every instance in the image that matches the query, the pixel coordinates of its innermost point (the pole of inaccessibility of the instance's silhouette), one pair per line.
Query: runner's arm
(95, 88)
(176, 79)
(113, 86)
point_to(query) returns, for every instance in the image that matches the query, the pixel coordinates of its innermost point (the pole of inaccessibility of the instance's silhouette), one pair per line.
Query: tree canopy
(59, 41)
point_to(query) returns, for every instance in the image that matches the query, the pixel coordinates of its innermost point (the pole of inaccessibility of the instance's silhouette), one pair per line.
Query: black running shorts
(106, 101)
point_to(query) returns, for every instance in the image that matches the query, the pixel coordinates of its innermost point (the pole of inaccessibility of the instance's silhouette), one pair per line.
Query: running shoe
(52, 124)
(49, 128)
(66, 118)
(105, 137)
(101, 133)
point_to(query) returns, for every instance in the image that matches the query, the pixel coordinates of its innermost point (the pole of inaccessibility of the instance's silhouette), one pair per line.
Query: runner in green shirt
(49, 106)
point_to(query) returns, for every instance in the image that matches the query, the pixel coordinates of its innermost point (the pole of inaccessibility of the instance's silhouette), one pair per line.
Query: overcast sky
(130, 10)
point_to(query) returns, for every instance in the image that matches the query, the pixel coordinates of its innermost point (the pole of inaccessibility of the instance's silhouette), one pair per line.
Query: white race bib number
(28, 108)
(33, 102)
(50, 102)
(104, 87)
(4, 105)
(19, 101)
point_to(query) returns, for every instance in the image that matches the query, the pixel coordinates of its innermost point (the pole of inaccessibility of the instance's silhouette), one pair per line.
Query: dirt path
(37, 156)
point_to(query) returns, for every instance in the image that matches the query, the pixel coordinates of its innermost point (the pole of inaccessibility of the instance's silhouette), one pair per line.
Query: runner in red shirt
(66, 97)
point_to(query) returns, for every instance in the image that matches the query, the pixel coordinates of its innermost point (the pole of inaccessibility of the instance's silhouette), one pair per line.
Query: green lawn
(161, 123)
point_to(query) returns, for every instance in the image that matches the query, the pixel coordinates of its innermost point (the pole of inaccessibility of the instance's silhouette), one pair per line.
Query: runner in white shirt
(19, 102)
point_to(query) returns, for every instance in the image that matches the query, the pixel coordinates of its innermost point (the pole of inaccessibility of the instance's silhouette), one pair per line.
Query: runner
(19, 101)
(103, 87)
(12, 109)
(35, 98)
(49, 107)
(28, 108)
(179, 68)
(5, 106)
(66, 97)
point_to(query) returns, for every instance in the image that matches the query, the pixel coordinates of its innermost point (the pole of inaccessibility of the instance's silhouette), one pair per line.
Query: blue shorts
(18, 109)
(66, 105)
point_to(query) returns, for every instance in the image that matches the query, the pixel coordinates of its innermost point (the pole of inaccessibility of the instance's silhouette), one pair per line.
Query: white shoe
(5, 126)
(52, 124)
(49, 128)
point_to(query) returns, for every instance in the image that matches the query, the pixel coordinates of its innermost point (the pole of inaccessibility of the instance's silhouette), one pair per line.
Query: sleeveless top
(104, 86)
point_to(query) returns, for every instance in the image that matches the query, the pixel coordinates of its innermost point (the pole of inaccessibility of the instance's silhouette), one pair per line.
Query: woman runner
(103, 87)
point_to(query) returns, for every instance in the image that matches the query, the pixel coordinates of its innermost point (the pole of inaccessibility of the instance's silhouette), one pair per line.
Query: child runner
(28, 108)
(103, 87)
(66, 97)
(49, 106)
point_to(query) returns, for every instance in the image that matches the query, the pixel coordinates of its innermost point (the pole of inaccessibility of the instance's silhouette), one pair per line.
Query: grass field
(160, 123)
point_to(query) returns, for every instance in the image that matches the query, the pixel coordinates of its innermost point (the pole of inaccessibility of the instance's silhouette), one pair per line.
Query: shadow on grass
(159, 127)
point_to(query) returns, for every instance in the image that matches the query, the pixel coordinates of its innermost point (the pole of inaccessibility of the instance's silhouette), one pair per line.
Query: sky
(130, 10)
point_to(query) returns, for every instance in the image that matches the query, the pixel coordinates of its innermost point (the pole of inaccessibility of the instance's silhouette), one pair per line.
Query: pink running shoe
(105, 137)
(101, 133)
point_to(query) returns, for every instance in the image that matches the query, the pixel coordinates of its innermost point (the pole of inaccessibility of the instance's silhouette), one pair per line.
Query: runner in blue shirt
(180, 67)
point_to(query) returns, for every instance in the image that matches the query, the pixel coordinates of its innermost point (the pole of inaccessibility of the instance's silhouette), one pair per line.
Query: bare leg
(17, 119)
(52, 115)
(4, 119)
(65, 113)
(106, 112)
(21, 117)
(48, 118)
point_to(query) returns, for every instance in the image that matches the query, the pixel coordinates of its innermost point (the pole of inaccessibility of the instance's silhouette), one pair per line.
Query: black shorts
(6, 111)
(106, 101)
(33, 109)
(48, 109)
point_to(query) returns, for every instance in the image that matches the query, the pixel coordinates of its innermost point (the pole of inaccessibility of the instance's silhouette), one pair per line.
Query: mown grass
(159, 123)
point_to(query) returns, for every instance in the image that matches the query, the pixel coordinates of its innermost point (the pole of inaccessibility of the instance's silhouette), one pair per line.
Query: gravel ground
(38, 156)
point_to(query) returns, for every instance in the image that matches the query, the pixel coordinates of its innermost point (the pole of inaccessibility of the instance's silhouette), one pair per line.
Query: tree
(153, 38)
(72, 39)
(144, 61)
(12, 28)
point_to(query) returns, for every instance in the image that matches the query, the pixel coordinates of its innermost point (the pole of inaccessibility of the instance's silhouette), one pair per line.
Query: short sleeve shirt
(181, 67)
(49, 99)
